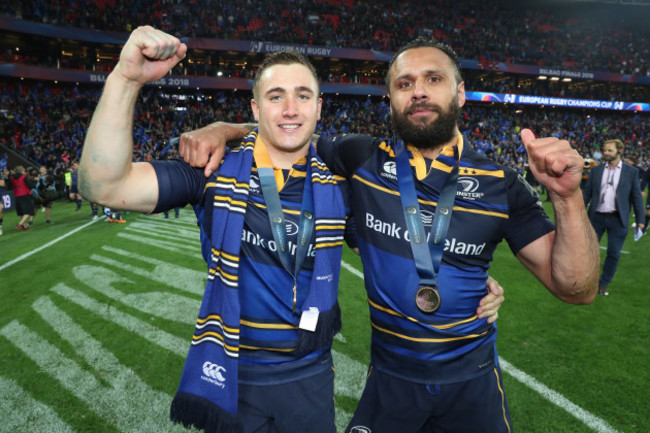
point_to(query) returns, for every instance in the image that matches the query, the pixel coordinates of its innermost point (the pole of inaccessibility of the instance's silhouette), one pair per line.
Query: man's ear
(320, 107)
(256, 110)
(461, 93)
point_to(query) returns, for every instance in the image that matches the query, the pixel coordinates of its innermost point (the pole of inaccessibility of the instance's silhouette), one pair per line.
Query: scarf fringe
(329, 323)
(194, 411)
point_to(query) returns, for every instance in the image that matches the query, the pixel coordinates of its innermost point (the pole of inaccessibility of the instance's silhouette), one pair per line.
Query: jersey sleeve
(527, 219)
(344, 154)
(178, 184)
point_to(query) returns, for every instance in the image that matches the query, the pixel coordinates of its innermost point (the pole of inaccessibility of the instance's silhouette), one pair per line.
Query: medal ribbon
(276, 217)
(427, 255)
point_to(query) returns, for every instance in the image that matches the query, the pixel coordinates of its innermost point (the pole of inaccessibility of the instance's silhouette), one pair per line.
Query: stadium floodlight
(555, 78)
(566, 79)
(542, 77)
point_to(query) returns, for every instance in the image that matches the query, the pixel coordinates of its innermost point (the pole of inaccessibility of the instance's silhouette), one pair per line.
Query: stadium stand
(519, 70)
(546, 34)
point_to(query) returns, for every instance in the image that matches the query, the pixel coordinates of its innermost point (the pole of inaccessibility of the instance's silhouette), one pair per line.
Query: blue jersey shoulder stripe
(497, 210)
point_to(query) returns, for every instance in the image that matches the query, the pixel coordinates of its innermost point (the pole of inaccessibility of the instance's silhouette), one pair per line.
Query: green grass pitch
(96, 318)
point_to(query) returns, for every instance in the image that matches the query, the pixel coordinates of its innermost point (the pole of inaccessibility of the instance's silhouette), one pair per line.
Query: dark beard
(425, 136)
(610, 158)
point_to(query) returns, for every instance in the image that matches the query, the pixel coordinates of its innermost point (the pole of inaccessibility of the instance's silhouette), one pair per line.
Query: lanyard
(278, 225)
(427, 255)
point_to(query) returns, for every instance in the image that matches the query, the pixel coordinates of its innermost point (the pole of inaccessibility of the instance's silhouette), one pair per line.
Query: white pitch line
(352, 269)
(557, 399)
(33, 416)
(49, 244)
(554, 397)
(622, 251)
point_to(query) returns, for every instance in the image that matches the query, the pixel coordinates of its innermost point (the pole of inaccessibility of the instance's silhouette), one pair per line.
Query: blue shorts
(305, 405)
(390, 405)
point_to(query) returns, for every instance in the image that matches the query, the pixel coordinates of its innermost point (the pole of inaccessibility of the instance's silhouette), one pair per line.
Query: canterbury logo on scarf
(208, 391)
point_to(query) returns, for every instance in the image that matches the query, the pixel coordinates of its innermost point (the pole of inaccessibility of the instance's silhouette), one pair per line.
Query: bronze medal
(427, 299)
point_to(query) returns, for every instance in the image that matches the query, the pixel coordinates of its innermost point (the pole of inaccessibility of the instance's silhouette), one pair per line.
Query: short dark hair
(283, 58)
(422, 41)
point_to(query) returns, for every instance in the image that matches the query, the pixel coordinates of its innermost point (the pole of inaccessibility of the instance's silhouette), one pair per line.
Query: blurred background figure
(73, 176)
(22, 186)
(114, 216)
(46, 192)
(176, 212)
(612, 189)
(4, 178)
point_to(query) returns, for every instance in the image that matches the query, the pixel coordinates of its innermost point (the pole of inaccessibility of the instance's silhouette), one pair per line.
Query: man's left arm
(637, 202)
(566, 260)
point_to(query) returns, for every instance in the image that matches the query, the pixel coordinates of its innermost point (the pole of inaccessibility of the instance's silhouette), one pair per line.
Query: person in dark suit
(612, 188)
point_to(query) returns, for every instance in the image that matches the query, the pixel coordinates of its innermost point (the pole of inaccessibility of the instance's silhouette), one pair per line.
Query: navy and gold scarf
(208, 391)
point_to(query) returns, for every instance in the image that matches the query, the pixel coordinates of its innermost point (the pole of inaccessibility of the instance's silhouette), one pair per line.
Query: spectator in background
(612, 188)
(46, 187)
(177, 211)
(73, 175)
(22, 186)
(172, 153)
(645, 183)
(113, 215)
(4, 179)
(492, 128)
(589, 164)
(59, 181)
(32, 173)
(633, 161)
(535, 35)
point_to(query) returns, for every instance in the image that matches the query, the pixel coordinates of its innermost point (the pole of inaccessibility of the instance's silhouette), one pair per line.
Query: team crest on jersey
(291, 227)
(467, 188)
(390, 170)
(254, 184)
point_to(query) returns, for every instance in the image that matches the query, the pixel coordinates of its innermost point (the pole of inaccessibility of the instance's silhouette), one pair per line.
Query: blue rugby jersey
(492, 203)
(268, 326)
(74, 178)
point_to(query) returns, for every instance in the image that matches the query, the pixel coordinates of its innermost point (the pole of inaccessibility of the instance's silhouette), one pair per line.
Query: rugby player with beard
(434, 365)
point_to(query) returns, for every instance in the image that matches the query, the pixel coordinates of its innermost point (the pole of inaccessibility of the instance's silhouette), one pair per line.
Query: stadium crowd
(552, 37)
(48, 123)
(210, 65)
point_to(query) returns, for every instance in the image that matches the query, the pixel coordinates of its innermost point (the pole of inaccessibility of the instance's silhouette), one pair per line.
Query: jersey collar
(262, 159)
(417, 160)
